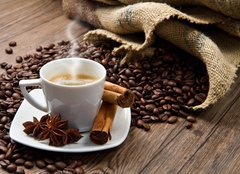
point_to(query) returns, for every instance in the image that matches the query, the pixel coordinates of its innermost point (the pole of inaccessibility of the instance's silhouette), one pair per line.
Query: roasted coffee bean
(3, 149)
(163, 118)
(51, 168)
(16, 155)
(16, 96)
(167, 107)
(28, 164)
(49, 160)
(2, 156)
(19, 161)
(19, 59)
(40, 164)
(9, 50)
(8, 86)
(39, 49)
(2, 94)
(9, 153)
(11, 168)
(4, 120)
(60, 165)
(189, 125)
(20, 171)
(150, 107)
(172, 119)
(191, 119)
(4, 163)
(191, 102)
(12, 44)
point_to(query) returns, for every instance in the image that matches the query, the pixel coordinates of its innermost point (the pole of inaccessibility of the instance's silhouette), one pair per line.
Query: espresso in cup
(73, 79)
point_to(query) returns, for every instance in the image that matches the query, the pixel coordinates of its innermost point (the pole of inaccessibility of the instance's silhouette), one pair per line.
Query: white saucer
(119, 132)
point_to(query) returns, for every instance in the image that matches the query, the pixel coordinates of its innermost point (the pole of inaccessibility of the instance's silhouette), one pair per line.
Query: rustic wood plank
(25, 17)
(211, 146)
(41, 35)
(136, 151)
(220, 153)
(182, 150)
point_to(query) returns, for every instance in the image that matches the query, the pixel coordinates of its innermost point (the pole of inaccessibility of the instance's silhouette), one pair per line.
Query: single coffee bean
(19, 161)
(20, 171)
(189, 125)
(163, 118)
(12, 44)
(49, 160)
(16, 155)
(183, 113)
(8, 86)
(39, 49)
(186, 88)
(172, 83)
(191, 119)
(9, 153)
(4, 120)
(11, 168)
(28, 164)
(19, 59)
(167, 107)
(4, 163)
(172, 119)
(191, 102)
(150, 107)
(9, 50)
(34, 67)
(2, 156)
(2, 94)
(16, 96)
(51, 168)
(40, 164)
(177, 90)
(60, 165)
(3, 149)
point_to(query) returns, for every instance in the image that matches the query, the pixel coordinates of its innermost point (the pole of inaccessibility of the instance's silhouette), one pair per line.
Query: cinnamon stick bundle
(100, 132)
(117, 95)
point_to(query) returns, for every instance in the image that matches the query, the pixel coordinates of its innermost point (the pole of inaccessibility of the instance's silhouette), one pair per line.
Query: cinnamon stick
(117, 95)
(100, 132)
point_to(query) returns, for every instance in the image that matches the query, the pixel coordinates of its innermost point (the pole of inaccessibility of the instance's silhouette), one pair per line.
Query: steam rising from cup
(72, 39)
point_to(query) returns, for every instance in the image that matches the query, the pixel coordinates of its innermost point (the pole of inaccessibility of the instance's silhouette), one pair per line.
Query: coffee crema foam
(73, 79)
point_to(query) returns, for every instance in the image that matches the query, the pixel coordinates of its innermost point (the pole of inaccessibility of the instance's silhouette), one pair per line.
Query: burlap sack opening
(119, 23)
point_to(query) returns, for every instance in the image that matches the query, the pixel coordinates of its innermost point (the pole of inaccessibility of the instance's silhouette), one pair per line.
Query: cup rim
(74, 86)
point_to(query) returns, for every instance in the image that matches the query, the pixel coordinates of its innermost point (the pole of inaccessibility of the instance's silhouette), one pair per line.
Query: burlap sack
(120, 22)
(226, 7)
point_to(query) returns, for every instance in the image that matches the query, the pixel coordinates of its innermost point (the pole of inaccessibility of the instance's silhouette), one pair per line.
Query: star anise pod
(36, 126)
(55, 131)
(73, 135)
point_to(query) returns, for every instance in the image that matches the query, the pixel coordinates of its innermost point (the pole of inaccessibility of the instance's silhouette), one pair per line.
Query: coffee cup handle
(33, 82)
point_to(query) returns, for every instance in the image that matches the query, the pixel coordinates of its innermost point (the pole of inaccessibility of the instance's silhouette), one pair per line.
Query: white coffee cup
(78, 104)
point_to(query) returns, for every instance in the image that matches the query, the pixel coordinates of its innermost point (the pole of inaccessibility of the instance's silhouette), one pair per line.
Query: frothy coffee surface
(73, 80)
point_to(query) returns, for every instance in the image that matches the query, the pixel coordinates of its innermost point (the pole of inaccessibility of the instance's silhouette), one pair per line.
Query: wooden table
(212, 146)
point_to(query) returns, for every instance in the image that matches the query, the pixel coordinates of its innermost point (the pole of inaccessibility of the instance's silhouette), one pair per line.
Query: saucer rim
(64, 149)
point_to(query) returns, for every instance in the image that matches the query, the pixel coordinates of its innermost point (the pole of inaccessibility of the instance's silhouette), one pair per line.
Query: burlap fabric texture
(119, 20)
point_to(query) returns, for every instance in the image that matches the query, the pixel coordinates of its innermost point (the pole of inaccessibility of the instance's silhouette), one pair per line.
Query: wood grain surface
(212, 146)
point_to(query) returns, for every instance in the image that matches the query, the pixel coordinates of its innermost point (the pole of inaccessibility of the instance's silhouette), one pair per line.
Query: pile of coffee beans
(164, 85)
